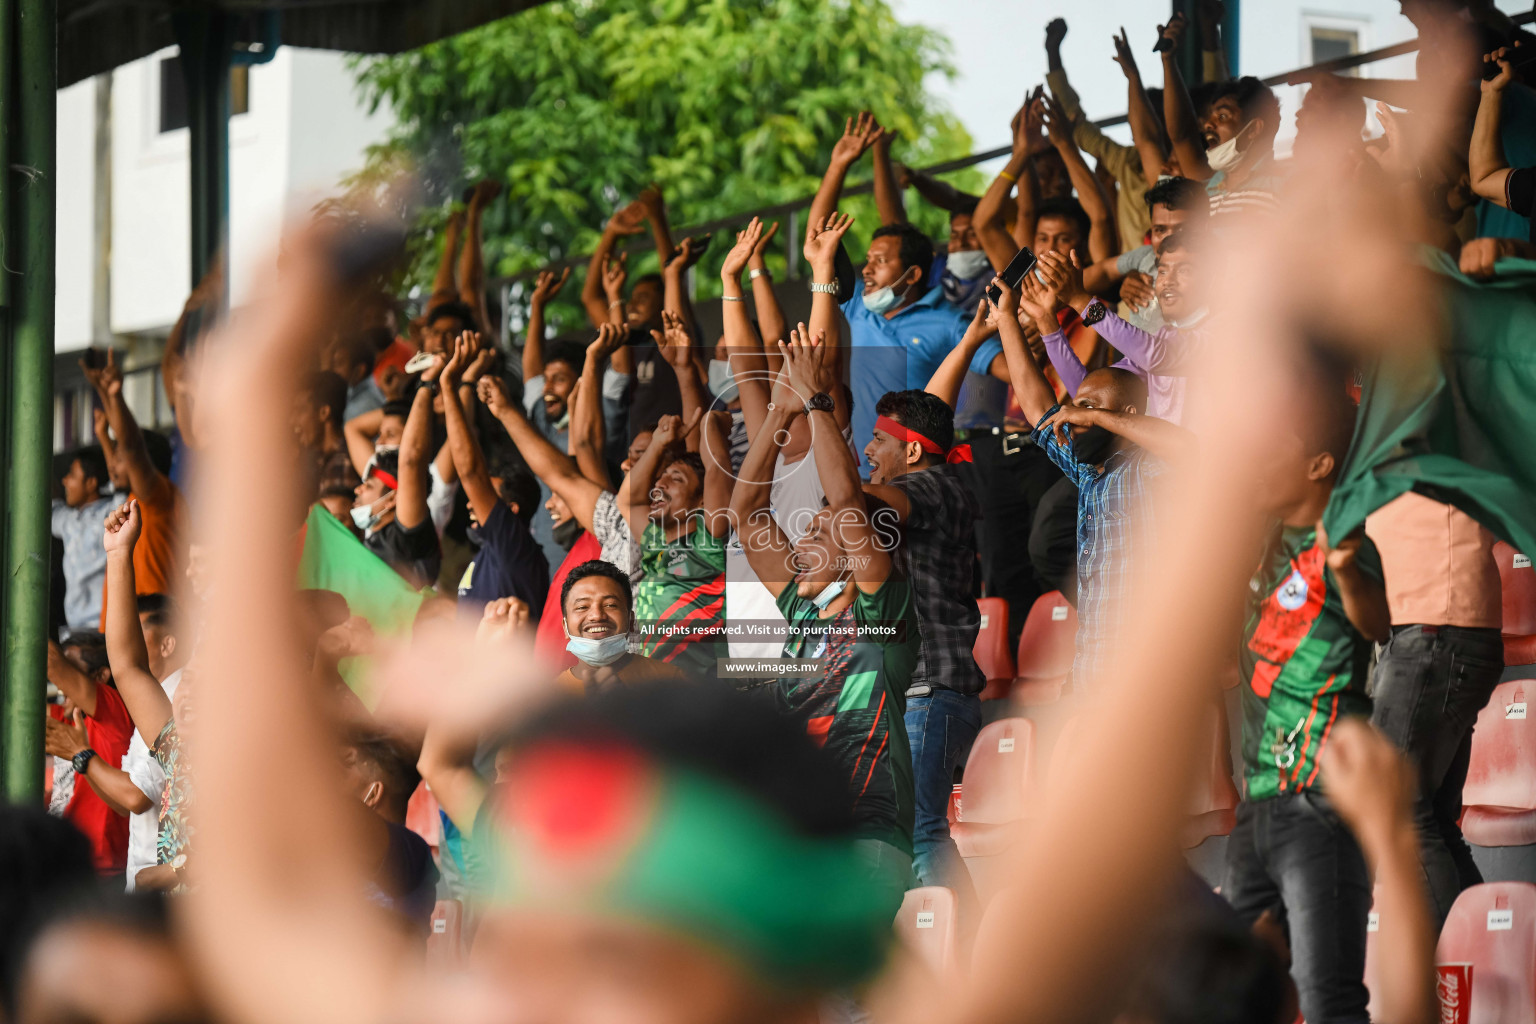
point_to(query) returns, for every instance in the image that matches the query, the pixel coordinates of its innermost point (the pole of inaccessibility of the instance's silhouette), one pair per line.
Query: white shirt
(144, 771)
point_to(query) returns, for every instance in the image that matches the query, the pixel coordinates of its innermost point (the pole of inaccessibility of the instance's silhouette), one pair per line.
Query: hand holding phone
(1022, 263)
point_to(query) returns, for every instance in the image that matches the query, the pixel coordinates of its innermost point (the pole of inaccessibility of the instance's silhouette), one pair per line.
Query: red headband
(959, 453)
(389, 481)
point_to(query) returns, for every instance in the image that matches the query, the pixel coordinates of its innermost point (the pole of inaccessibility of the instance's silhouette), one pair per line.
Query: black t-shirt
(510, 563)
(1520, 194)
(654, 392)
(413, 553)
(407, 880)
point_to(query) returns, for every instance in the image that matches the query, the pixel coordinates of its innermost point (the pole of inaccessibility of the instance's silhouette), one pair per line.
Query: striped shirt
(1258, 191)
(1113, 520)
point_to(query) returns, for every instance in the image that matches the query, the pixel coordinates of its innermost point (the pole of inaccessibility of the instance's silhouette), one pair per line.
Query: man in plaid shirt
(913, 472)
(1111, 452)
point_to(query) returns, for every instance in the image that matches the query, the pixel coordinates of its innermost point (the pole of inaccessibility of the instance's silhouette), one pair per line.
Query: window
(1333, 43)
(173, 93)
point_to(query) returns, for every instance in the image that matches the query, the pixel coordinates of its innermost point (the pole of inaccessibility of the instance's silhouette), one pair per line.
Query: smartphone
(1022, 263)
(1164, 44)
(418, 362)
(94, 359)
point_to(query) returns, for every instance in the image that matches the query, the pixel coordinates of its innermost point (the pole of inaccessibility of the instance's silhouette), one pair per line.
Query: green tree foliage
(575, 106)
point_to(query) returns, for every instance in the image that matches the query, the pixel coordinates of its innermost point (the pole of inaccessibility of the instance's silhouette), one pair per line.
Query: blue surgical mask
(598, 653)
(722, 383)
(967, 264)
(364, 518)
(829, 593)
(882, 300)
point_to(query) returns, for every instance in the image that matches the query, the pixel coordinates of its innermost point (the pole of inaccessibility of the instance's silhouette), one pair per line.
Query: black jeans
(1292, 855)
(1429, 686)
(1009, 476)
(1053, 539)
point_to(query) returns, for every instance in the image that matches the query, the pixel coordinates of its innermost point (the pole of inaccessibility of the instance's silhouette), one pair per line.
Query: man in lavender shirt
(1162, 358)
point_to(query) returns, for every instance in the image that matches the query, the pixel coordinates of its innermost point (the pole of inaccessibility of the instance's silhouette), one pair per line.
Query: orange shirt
(1438, 563)
(157, 555)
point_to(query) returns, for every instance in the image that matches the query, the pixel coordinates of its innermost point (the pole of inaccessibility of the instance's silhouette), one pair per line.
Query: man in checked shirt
(1112, 451)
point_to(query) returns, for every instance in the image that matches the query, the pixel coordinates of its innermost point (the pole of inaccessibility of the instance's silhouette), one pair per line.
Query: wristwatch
(754, 274)
(820, 402)
(82, 760)
(1094, 312)
(178, 865)
(830, 288)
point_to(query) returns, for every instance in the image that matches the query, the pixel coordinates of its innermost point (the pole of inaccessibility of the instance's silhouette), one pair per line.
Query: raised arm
(1168, 441)
(810, 367)
(545, 288)
(934, 192)
(948, 378)
(1103, 241)
(992, 228)
(467, 456)
(628, 221)
(557, 469)
(741, 344)
(361, 433)
(676, 344)
(1146, 132)
(642, 475)
(823, 244)
(858, 136)
(415, 442)
(1179, 109)
(1486, 165)
(674, 282)
(71, 682)
(1033, 391)
(718, 478)
(767, 549)
(887, 189)
(147, 482)
(147, 703)
(655, 207)
(771, 324)
(588, 430)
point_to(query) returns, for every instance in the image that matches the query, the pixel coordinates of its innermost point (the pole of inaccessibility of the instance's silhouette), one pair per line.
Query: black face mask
(1092, 445)
(565, 533)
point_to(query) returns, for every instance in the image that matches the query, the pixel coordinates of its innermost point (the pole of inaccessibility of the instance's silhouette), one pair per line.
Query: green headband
(603, 829)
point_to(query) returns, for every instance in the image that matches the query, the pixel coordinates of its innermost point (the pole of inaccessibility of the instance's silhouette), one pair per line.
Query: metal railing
(790, 208)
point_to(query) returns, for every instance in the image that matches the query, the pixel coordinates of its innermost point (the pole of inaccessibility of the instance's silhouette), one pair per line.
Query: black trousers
(1009, 477)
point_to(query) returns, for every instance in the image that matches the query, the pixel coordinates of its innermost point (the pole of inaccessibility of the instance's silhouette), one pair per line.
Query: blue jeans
(1292, 855)
(940, 728)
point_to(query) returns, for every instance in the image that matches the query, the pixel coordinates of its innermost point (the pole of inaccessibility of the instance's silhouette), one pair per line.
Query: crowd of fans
(686, 666)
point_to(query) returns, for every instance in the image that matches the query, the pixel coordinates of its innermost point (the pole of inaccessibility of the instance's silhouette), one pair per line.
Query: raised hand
(65, 739)
(687, 254)
(465, 347)
(859, 134)
(630, 220)
(1057, 124)
(548, 286)
(671, 429)
(1055, 32)
(675, 342)
(1506, 74)
(609, 338)
(502, 619)
(1070, 416)
(492, 395)
(483, 361)
(1136, 290)
(434, 369)
(808, 361)
(1035, 139)
(650, 198)
(1065, 276)
(822, 238)
(1370, 783)
(1034, 298)
(1168, 35)
(122, 527)
(615, 273)
(762, 242)
(392, 381)
(746, 246)
(1124, 57)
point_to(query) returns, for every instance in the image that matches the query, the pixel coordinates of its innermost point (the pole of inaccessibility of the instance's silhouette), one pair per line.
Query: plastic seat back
(1491, 931)
(1500, 792)
(996, 786)
(992, 648)
(1047, 641)
(1518, 577)
(926, 926)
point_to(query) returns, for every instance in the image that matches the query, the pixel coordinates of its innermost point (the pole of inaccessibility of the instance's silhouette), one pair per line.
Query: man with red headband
(913, 470)
(391, 510)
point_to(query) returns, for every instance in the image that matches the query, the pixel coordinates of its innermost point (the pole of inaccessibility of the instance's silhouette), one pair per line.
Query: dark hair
(689, 459)
(521, 488)
(454, 308)
(92, 464)
(927, 414)
(916, 249)
(389, 462)
(43, 860)
(1205, 973)
(396, 768)
(1066, 208)
(1179, 194)
(597, 567)
(327, 389)
(654, 279)
(1329, 422)
(572, 353)
(158, 610)
(398, 407)
(358, 351)
(1180, 240)
(1254, 98)
(964, 205)
(92, 647)
(713, 730)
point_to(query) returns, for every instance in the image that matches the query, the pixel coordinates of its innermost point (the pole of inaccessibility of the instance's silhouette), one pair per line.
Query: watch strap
(830, 288)
(1094, 311)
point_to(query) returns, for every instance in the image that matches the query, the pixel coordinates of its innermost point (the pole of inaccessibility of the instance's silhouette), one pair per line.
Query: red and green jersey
(680, 599)
(854, 706)
(1304, 663)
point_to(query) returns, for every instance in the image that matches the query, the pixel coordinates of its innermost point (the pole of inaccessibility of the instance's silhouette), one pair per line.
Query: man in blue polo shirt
(900, 326)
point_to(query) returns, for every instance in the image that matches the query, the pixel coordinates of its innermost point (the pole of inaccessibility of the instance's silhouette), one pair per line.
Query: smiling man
(598, 607)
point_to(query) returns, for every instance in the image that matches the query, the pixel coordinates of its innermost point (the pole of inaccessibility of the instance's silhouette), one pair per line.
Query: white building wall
(75, 215)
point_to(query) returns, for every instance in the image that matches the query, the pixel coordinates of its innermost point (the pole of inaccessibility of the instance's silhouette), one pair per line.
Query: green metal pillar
(1232, 34)
(30, 225)
(206, 41)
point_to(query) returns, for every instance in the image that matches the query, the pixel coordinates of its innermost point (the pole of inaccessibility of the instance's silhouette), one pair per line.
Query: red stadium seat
(1519, 581)
(1046, 646)
(996, 788)
(422, 818)
(992, 649)
(1491, 927)
(445, 943)
(926, 926)
(954, 804)
(1500, 794)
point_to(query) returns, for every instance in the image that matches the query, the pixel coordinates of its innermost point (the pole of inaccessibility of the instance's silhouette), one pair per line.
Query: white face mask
(363, 517)
(967, 264)
(829, 593)
(722, 383)
(1226, 156)
(883, 300)
(598, 653)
